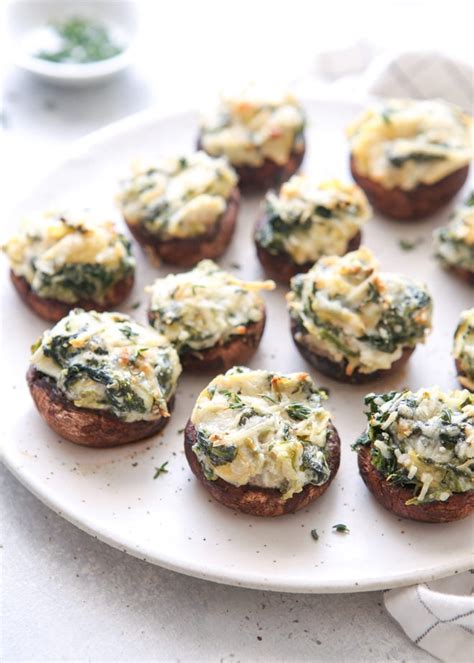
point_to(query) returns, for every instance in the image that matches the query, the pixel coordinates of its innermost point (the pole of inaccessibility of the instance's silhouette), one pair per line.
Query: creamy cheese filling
(70, 255)
(463, 349)
(345, 309)
(178, 198)
(262, 429)
(423, 440)
(107, 361)
(406, 142)
(253, 126)
(308, 220)
(455, 243)
(205, 307)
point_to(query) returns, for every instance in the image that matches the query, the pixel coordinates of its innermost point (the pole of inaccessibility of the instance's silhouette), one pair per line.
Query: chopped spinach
(313, 460)
(217, 454)
(419, 157)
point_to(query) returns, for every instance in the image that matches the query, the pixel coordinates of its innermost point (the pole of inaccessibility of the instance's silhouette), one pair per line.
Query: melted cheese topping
(69, 255)
(205, 307)
(254, 126)
(178, 198)
(407, 142)
(455, 243)
(347, 310)
(307, 220)
(262, 429)
(107, 361)
(463, 349)
(423, 439)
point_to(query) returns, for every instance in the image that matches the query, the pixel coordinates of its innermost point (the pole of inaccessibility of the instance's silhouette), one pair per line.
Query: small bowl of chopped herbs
(72, 43)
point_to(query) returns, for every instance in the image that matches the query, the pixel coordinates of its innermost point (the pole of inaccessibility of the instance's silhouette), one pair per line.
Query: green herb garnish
(409, 244)
(340, 527)
(161, 470)
(298, 411)
(314, 534)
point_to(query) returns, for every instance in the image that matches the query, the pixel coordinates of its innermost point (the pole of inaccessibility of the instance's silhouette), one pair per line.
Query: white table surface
(66, 596)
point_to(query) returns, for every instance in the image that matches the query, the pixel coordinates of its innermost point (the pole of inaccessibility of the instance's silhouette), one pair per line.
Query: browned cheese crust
(393, 497)
(187, 252)
(422, 201)
(460, 373)
(53, 310)
(337, 370)
(91, 428)
(256, 501)
(281, 266)
(269, 174)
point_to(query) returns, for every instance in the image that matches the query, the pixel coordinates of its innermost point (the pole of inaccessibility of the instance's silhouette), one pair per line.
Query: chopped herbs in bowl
(79, 40)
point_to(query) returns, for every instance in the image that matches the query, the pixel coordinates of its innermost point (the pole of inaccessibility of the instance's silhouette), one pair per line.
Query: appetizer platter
(280, 349)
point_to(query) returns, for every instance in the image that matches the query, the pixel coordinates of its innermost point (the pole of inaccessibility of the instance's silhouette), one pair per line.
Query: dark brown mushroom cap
(460, 373)
(257, 501)
(186, 252)
(53, 309)
(394, 498)
(91, 428)
(462, 273)
(337, 370)
(417, 203)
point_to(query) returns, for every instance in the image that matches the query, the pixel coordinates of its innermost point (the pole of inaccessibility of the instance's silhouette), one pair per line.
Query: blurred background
(183, 52)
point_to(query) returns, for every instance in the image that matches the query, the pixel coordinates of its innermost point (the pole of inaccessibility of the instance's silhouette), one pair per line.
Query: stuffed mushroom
(305, 221)
(417, 454)
(65, 259)
(182, 210)
(212, 318)
(261, 134)
(455, 242)
(262, 442)
(463, 349)
(354, 322)
(410, 156)
(101, 379)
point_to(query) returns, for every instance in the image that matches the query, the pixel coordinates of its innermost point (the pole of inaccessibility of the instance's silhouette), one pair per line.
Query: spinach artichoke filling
(70, 256)
(263, 429)
(455, 242)
(254, 126)
(463, 349)
(178, 198)
(307, 220)
(106, 361)
(423, 441)
(405, 142)
(345, 309)
(205, 307)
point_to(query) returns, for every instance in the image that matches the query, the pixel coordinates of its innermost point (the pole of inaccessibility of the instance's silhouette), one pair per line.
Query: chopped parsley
(314, 534)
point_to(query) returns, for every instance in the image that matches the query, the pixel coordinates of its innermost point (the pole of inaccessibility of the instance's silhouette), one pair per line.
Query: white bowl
(25, 18)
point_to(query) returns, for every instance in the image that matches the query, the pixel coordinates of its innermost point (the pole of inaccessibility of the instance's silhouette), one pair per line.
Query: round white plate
(172, 521)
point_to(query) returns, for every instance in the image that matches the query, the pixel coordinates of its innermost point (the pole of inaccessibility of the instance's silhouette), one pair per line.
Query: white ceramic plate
(171, 521)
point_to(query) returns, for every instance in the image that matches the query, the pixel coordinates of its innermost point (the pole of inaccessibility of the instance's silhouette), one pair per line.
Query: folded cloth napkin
(415, 74)
(438, 616)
